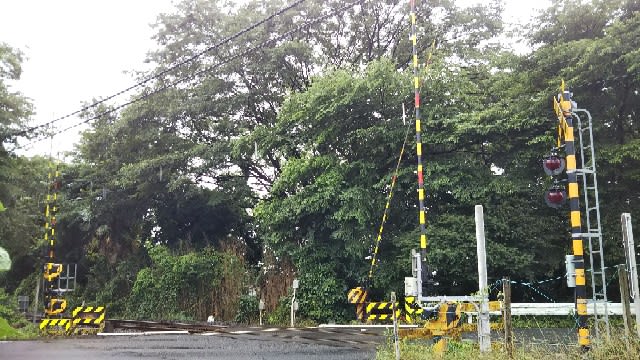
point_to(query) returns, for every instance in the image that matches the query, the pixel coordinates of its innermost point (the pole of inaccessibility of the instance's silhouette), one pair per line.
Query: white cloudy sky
(77, 50)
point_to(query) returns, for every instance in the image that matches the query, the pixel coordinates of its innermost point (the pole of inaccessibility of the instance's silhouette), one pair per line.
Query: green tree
(19, 180)
(230, 102)
(15, 109)
(592, 46)
(181, 287)
(21, 232)
(136, 177)
(341, 139)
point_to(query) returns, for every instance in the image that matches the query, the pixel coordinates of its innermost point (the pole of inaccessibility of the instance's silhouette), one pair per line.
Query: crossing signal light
(553, 165)
(555, 197)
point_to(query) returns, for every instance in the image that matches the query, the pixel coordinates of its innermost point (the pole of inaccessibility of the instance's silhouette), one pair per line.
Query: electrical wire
(165, 71)
(207, 69)
(23, 132)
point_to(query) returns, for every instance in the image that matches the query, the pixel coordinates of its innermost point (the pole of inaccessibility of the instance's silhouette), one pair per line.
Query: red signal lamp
(553, 165)
(555, 197)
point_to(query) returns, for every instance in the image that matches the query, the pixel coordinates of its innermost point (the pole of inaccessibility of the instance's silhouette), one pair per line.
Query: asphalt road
(240, 344)
(273, 346)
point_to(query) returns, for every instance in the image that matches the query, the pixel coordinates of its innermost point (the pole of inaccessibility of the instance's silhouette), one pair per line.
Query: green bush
(8, 332)
(12, 324)
(321, 295)
(247, 310)
(109, 285)
(281, 315)
(174, 287)
(9, 308)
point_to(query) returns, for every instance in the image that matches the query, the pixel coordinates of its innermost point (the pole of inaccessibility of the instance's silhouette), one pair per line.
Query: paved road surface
(187, 347)
(239, 344)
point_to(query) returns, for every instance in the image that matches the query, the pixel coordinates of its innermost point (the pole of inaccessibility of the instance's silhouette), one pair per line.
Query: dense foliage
(276, 165)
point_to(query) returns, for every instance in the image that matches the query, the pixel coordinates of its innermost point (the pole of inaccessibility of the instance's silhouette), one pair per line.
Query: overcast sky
(77, 50)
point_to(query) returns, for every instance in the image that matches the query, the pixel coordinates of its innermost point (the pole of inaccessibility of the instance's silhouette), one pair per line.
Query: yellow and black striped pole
(50, 237)
(374, 256)
(360, 308)
(53, 302)
(416, 84)
(51, 208)
(562, 107)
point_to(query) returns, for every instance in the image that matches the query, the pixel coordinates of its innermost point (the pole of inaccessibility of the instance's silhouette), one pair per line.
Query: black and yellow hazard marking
(383, 317)
(66, 323)
(562, 107)
(86, 320)
(52, 271)
(89, 321)
(379, 307)
(360, 311)
(88, 314)
(357, 295)
(55, 326)
(56, 306)
(412, 310)
(381, 311)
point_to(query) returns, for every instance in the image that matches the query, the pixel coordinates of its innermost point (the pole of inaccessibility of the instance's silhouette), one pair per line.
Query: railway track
(352, 337)
(143, 325)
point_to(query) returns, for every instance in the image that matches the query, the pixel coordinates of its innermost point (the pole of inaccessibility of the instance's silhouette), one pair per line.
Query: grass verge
(617, 347)
(7, 332)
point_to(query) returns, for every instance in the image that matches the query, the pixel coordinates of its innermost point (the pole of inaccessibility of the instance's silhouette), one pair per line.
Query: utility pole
(630, 254)
(36, 301)
(294, 302)
(506, 317)
(484, 329)
(261, 309)
(396, 342)
(624, 298)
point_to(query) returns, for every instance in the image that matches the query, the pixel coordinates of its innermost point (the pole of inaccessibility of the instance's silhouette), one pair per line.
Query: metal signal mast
(567, 114)
(61, 278)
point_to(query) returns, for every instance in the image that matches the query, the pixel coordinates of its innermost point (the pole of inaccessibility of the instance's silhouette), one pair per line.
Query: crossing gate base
(85, 320)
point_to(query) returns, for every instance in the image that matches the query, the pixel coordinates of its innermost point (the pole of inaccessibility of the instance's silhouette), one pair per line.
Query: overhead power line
(163, 72)
(207, 69)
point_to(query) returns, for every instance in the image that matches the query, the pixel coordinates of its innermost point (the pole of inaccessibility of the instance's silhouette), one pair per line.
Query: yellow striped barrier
(84, 320)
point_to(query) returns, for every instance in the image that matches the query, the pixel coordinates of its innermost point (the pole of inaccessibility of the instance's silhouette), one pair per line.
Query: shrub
(281, 315)
(247, 310)
(186, 287)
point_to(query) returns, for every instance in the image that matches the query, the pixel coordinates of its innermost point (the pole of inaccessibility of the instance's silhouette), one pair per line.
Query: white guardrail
(559, 309)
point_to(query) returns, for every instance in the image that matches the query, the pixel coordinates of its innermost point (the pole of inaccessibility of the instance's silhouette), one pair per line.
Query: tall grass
(617, 347)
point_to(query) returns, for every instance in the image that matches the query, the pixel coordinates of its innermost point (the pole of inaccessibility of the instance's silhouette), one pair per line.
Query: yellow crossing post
(562, 107)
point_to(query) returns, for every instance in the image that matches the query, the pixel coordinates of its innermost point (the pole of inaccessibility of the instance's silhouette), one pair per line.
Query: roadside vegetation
(13, 325)
(618, 347)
